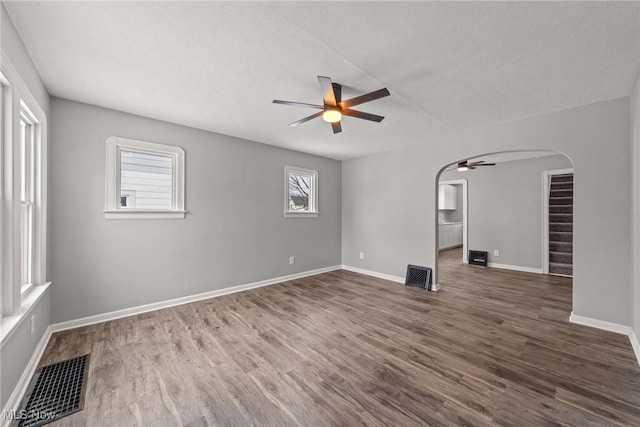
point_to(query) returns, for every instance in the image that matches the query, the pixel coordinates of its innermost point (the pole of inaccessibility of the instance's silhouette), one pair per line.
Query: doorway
(557, 217)
(508, 220)
(452, 217)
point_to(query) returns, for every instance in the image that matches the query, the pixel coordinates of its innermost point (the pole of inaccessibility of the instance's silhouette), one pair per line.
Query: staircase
(561, 225)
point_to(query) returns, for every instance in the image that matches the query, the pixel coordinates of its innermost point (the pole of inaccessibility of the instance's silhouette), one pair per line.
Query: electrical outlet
(361, 255)
(496, 252)
(33, 324)
(292, 259)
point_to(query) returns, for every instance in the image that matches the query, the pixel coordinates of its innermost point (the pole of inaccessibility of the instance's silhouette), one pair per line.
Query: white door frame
(463, 182)
(546, 188)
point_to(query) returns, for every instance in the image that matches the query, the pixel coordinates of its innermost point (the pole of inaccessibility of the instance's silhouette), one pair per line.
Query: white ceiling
(218, 65)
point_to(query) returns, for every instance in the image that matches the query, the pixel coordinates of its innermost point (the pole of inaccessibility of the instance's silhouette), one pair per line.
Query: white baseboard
(118, 314)
(25, 378)
(515, 268)
(635, 344)
(384, 276)
(600, 324)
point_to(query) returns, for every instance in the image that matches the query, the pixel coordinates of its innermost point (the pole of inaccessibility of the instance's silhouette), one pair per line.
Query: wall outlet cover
(496, 252)
(361, 255)
(292, 259)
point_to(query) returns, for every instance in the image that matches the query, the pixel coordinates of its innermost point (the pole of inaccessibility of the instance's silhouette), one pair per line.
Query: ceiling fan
(465, 165)
(334, 107)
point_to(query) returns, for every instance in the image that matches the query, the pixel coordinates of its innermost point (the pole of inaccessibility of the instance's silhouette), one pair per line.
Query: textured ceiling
(448, 66)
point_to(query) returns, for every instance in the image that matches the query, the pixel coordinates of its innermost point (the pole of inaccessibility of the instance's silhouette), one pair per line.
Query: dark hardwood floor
(492, 347)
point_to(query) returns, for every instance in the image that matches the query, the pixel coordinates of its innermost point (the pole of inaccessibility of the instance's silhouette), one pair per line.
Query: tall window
(23, 154)
(27, 180)
(301, 192)
(145, 180)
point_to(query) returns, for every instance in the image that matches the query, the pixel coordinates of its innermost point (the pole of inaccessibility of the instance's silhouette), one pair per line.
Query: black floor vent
(418, 276)
(55, 391)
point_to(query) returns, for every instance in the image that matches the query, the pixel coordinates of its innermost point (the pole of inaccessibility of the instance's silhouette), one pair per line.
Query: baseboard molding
(25, 378)
(132, 311)
(515, 268)
(384, 276)
(600, 324)
(635, 344)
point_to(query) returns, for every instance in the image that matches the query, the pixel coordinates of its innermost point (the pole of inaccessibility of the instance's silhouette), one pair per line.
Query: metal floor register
(55, 391)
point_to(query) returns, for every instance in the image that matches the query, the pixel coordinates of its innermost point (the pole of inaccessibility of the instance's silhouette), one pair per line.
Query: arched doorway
(505, 211)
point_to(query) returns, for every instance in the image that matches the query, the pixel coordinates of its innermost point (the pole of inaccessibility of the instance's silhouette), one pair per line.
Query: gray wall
(635, 194)
(505, 208)
(234, 233)
(389, 199)
(17, 350)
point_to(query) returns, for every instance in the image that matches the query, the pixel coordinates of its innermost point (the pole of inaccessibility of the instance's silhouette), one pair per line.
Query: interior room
(233, 213)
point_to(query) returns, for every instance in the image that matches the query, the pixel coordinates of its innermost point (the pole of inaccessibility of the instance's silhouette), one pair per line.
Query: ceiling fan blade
(371, 96)
(298, 104)
(337, 128)
(327, 91)
(483, 164)
(337, 92)
(306, 119)
(361, 115)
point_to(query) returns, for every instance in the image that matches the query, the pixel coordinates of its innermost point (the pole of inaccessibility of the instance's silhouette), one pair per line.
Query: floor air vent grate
(55, 391)
(418, 276)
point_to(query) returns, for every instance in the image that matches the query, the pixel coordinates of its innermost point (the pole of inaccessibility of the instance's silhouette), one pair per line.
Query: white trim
(10, 323)
(515, 268)
(114, 145)
(600, 324)
(313, 197)
(635, 344)
(546, 188)
(131, 311)
(144, 214)
(384, 276)
(20, 388)
(560, 171)
(301, 214)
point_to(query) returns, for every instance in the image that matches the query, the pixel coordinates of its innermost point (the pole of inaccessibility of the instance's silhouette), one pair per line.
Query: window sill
(301, 214)
(144, 214)
(9, 324)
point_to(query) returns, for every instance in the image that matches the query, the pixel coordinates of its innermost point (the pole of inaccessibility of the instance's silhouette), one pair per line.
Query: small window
(301, 192)
(144, 180)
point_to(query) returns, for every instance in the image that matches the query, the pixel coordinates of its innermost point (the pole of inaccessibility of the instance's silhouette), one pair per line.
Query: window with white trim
(300, 192)
(22, 195)
(145, 180)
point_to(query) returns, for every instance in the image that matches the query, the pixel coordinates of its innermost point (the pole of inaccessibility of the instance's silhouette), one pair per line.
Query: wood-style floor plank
(492, 347)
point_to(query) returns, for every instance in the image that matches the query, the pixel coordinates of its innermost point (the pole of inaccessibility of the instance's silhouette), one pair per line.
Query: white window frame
(113, 210)
(313, 197)
(18, 294)
(28, 183)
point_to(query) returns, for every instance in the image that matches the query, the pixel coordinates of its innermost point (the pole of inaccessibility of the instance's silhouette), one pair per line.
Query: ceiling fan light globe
(331, 116)
(463, 167)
